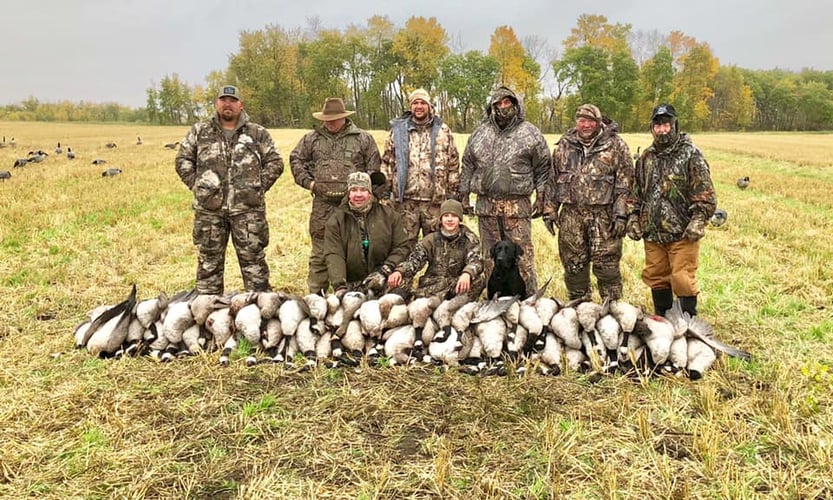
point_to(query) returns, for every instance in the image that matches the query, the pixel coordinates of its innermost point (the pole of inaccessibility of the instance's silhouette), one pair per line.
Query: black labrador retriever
(506, 280)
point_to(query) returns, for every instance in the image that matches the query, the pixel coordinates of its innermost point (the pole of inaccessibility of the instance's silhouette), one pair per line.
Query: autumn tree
(420, 46)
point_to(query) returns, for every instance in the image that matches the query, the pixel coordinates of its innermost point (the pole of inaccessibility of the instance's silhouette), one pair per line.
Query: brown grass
(77, 427)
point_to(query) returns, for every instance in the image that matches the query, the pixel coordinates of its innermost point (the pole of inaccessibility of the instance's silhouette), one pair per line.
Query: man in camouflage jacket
(363, 240)
(675, 198)
(506, 159)
(422, 163)
(321, 162)
(592, 188)
(455, 264)
(229, 163)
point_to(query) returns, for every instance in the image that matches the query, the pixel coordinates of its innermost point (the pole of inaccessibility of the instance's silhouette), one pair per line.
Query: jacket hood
(498, 95)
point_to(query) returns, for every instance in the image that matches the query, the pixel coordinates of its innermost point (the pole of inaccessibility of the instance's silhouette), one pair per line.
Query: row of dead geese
(537, 333)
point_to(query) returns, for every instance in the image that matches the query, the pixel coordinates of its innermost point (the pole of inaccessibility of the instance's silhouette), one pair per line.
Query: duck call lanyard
(365, 238)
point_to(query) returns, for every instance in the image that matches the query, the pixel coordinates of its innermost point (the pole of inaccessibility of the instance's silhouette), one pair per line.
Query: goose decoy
(70, 154)
(110, 172)
(138, 141)
(719, 217)
(172, 145)
(3, 144)
(99, 161)
(5, 174)
(743, 182)
(110, 145)
(58, 149)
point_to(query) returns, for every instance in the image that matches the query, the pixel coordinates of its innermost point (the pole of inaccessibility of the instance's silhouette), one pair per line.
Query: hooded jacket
(232, 174)
(673, 186)
(447, 259)
(387, 243)
(508, 163)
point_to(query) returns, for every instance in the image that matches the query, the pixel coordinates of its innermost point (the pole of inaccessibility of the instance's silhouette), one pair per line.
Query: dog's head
(506, 253)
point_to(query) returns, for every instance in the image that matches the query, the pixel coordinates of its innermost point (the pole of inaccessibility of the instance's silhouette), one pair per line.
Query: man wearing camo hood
(675, 198)
(592, 189)
(321, 162)
(229, 163)
(506, 159)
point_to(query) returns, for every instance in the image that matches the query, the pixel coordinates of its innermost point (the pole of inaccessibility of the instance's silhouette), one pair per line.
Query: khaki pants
(672, 265)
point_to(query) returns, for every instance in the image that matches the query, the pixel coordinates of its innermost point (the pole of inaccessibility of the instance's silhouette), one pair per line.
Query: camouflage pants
(583, 239)
(317, 278)
(446, 284)
(249, 234)
(672, 265)
(417, 215)
(519, 231)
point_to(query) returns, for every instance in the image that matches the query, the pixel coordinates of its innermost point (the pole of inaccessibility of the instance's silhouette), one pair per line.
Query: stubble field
(73, 426)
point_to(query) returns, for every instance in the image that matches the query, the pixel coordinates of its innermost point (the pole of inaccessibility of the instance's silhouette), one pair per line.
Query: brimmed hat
(229, 91)
(421, 94)
(663, 110)
(452, 206)
(590, 111)
(333, 110)
(358, 180)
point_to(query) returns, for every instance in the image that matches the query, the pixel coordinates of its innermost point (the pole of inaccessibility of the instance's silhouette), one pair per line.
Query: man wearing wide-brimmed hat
(422, 165)
(592, 189)
(321, 163)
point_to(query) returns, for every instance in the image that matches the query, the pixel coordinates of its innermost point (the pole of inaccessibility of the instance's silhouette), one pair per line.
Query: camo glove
(634, 228)
(618, 226)
(696, 228)
(374, 282)
(539, 207)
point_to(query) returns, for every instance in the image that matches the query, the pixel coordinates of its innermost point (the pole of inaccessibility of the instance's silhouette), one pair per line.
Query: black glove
(618, 226)
(634, 228)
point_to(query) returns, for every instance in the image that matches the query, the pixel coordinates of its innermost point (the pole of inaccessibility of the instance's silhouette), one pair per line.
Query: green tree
(465, 83)
(420, 45)
(732, 106)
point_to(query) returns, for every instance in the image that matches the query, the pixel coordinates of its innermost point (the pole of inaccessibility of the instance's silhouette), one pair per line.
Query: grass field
(73, 426)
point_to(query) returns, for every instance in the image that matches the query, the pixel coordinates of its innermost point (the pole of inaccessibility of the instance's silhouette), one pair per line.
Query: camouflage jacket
(505, 164)
(599, 174)
(421, 162)
(228, 174)
(447, 259)
(329, 158)
(672, 186)
(347, 262)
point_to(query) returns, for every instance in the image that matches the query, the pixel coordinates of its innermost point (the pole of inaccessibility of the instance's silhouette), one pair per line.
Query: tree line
(285, 74)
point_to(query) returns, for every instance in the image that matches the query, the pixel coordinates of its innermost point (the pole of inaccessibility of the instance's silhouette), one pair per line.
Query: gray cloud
(112, 50)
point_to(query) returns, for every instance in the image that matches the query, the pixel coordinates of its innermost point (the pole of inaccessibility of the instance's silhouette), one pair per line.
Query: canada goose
(291, 312)
(58, 149)
(21, 162)
(110, 172)
(108, 331)
(247, 323)
(5, 174)
(70, 154)
(37, 156)
(743, 182)
(99, 161)
(110, 145)
(269, 302)
(565, 325)
(172, 145)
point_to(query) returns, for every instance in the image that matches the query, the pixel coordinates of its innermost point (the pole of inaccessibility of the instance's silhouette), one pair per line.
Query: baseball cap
(229, 91)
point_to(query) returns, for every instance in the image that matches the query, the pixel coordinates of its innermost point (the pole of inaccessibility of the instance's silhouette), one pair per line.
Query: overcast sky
(112, 50)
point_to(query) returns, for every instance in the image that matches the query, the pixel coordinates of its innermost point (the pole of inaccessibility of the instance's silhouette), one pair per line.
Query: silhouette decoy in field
(110, 145)
(110, 172)
(21, 162)
(172, 145)
(719, 218)
(5, 174)
(138, 141)
(12, 143)
(70, 154)
(3, 144)
(99, 161)
(743, 182)
(58, 149)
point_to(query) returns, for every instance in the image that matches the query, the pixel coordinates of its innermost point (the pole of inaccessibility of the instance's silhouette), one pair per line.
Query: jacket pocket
(208, 192)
